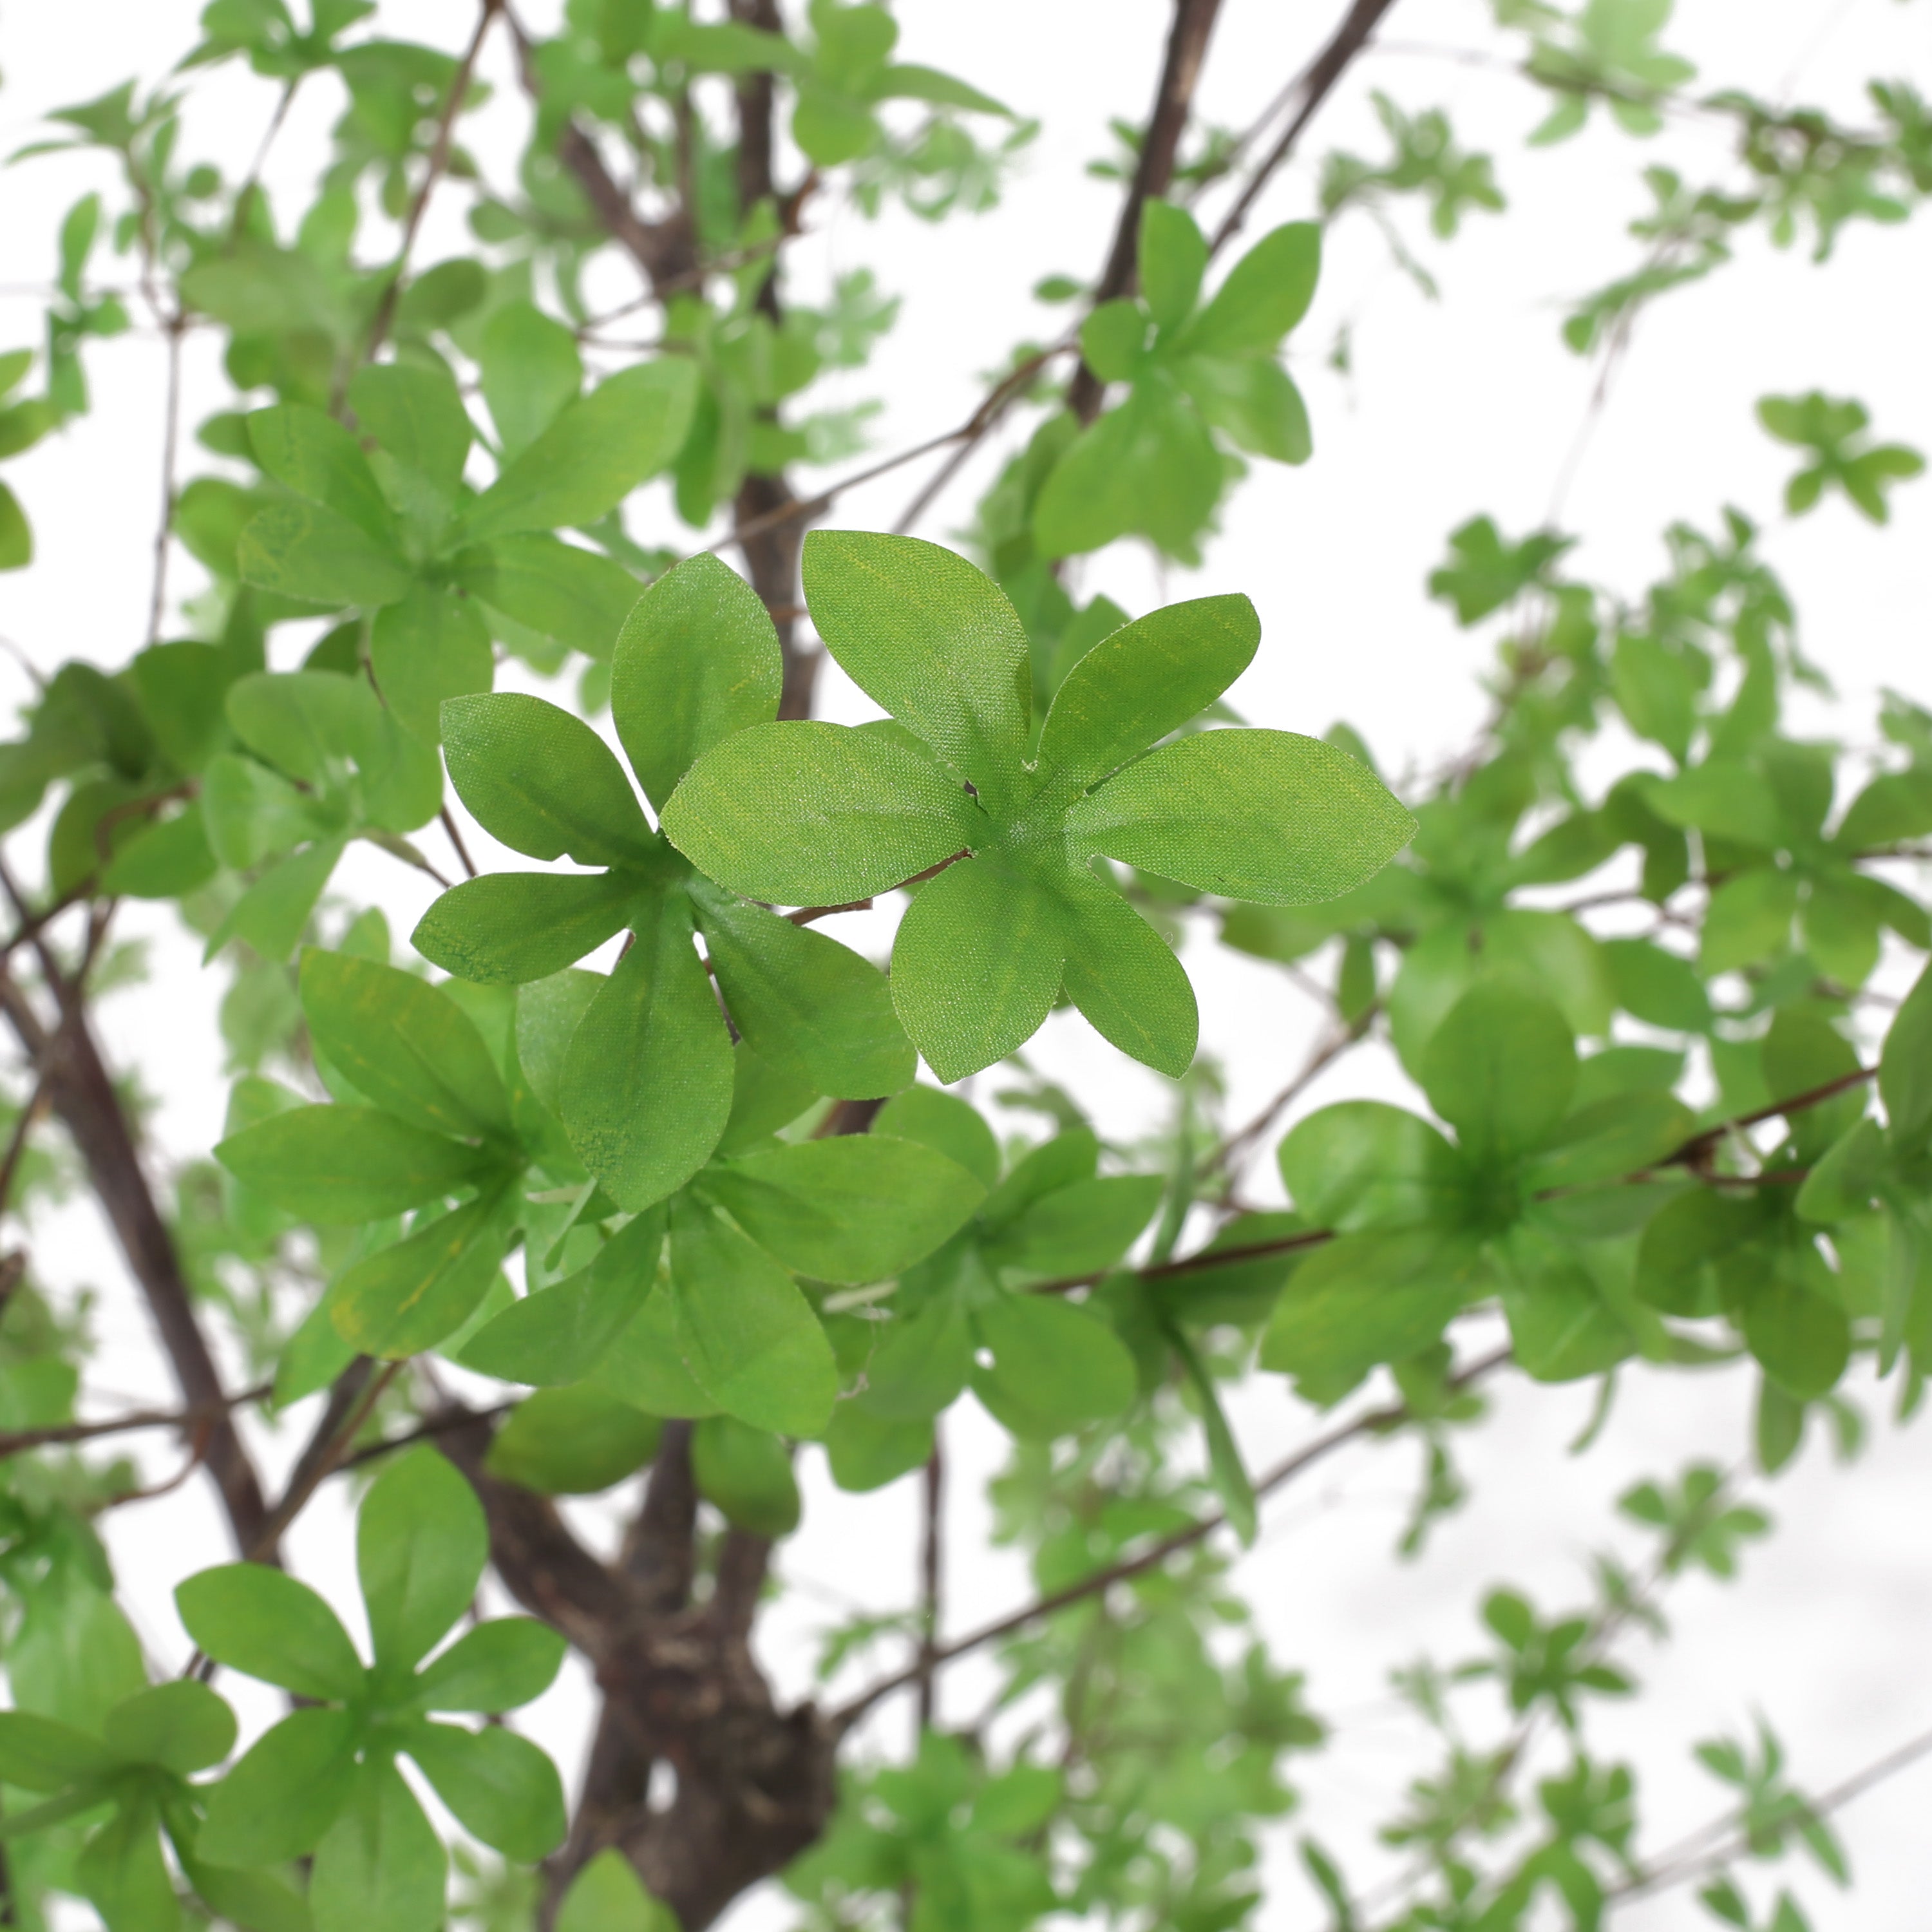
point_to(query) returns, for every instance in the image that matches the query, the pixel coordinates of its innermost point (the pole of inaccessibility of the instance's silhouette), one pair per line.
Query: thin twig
(1685, 1861)
(1236, 1144)
(323, 1463)
(439, 161)
(932, 1503)
(1371, 1422)
(1323, 71)
(16, 1440)
(170, 439)
(456, 840)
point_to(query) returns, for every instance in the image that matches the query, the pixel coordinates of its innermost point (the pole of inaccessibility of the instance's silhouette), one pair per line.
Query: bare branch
(1372, 1422)
(1160, 148)
(1323, 71)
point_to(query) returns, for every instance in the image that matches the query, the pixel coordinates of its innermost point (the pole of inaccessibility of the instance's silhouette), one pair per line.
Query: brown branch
(1695, 1856)
(1236, 1144)
(1700, 1146)
(325, 1451)
(1323, 71)
(1160, 148)
(456, 841)
(1372, 1422)
(932, 1521)
(439, 162)
(15, 1441)
(84, 1097)
(170, 439)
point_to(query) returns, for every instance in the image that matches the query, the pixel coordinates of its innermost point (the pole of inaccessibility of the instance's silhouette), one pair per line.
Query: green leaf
(1148, 468)
(1802, 1340)
(509, 928)
(932, 641)
(259, 1621)
(1561, 1328)
(748, 1337)
(310, 552)
(919, 1364)
(1264, 815)
(530, 370)
(1749, 919)
(254, 1900)
(805, 813)
(403, 1045)
(272, 915)
(1364, 1164)
(414, 412)
(181, 1726)
(578, 598)
(121, 1872)
(645, 1363)
(596, 451)
(1079, 1229)
(288, 1790)
(1173, 259)
(382, 1868)
(812, 1010)
(1055, 1368)
(868, 1451)
(560, 1335)
(165, 860)
(496, 1666)
(1657, 987)
(977, 965)
(655, 1012)
(1124, 977)
(16, 534)
(850, 1208)
(548, 1013)
(341, 1164)
(1253, 403)
(1266, 293)
(1145, 680)
(1905, 1066)
(571, 1441)
(1501, 1069)
(407, 1297)
(1363, 1300)
(944, 1122)
(543, 781)
(607, 1896)
(431, 646)
(501, 1787)
(40, 1754)
(696, 660)
(746, 1473)
(421, 1545)
(319, 460)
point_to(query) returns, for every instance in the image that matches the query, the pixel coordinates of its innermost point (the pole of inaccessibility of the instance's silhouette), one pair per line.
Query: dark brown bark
(1160, 148)
(753, 1784)
(83, 1097)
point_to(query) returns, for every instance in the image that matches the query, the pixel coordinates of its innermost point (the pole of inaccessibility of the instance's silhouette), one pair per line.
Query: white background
(1467, 405)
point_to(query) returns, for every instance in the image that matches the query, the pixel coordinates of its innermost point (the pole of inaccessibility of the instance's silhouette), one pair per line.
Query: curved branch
(1372, 1422)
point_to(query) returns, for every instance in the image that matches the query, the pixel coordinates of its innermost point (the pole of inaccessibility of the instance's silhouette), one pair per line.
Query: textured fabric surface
(812, 1010)
(749, 1336)
(1125, 979)
(697, 658)
(976, 968)
(932, 641)
(1265, 815)
(817, 814)
(1145, 680)
(507, 928)
(647, 1081)
(542, 781)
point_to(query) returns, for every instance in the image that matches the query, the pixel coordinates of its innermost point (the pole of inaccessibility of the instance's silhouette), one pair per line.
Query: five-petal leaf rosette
(807, 813)
(697, 660)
